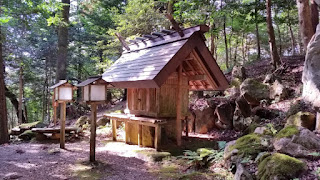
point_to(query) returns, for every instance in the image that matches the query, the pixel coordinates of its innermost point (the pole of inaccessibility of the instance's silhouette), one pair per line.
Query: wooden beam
(179, 107)
(123, 42)
(62, 125)
(197, 77)
(93, 132)
(149, 36)
(159, 34)
(175, 24)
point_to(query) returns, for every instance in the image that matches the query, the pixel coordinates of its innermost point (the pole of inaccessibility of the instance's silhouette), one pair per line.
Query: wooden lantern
(94, 91)
(62, 93)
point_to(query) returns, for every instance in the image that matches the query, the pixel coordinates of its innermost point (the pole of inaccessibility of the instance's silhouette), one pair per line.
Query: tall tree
(314, 15)
(61, 72)
(272, 42)
(4, 137)
(305, 23)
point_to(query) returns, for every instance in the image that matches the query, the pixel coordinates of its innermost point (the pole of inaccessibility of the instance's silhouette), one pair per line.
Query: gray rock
(260, 130)
(300, 145)
(243, 106)
(239, 72)
(102, 121)
(278, 91)
(204, 120)
(254, 91)
(242, 173)
(224, 113)
(311, 73)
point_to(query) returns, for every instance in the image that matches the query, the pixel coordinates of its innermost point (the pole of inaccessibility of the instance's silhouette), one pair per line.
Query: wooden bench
(141, 121)
(54, 131)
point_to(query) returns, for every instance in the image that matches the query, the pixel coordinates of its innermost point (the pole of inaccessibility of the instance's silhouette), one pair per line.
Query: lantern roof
(89, 81)
(60, 83)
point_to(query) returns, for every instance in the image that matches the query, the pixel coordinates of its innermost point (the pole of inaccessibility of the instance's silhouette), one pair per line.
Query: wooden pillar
(140, 136)
(93, 132)
(317, 128)
(54, 114)
(157, 139)
(126, 129)
(62, 124)
(178, 103)
(114, 130)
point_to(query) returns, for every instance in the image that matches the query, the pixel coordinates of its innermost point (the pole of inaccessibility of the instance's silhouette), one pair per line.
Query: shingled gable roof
(150, 62)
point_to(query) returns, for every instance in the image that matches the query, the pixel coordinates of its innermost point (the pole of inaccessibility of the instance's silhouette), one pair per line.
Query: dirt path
(46, 161)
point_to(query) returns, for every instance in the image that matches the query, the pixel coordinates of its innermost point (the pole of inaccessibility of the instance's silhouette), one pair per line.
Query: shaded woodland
(262, 47)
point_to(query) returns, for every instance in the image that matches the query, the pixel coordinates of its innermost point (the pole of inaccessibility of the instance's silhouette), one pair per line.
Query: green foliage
(287, 132)
(202, 157)
(279, 166)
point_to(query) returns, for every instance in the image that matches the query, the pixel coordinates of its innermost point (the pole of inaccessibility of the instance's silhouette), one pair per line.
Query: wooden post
(140, 136)
(317, 121)
(114, 130)
(93, 132)
(126, 129)
(157, 139)
(54, 114)
(62, 124)
(178, 104)
(187, 127)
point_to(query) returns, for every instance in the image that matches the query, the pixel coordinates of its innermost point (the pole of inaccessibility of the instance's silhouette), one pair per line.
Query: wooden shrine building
(158, 71)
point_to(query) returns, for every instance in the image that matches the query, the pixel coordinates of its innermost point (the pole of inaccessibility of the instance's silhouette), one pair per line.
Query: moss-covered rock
(287, 132)
(27, 135)
(250, 144)
(102, 121)
(36, 124)
(303, 119)
(279, 166)
(254, 91)
(82, 121)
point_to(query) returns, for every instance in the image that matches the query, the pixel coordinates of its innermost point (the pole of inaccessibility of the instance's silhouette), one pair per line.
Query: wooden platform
(146, 121)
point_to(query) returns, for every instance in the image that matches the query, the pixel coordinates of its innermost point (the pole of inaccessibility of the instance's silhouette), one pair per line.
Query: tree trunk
(20, 94)
(236, 50)
(314, 15)
(170, 7)
(243, 49)
(272, 42)
(13, 99)
(293, 41)
(63, 43)
(305, 23)
(4, 136)
(226, 42)
(212, 38)
(280, 39)
(257, 31)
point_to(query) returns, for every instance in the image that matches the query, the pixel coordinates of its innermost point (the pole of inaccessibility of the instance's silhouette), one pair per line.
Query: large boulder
(254, 91)
(279, 166)
(296, 141)
(278, 91)
(204, 120)
(82, 121)
(224, 113)
(103, 121)
(311, 73)
(239, 72)
(28, 126)
(27, 135)
(303, 119)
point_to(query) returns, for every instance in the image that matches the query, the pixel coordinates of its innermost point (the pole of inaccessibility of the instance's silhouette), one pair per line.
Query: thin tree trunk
(257, 31)
(20, 93)
(314, 15)
(226, 43)
(280, 39)
(170, 7)
(243, 49)
(212, 40)
(63, 43)
(4, 135)
(13, 99)
(293, 41)
(305, 23)
(236, 51)
(272, 42)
